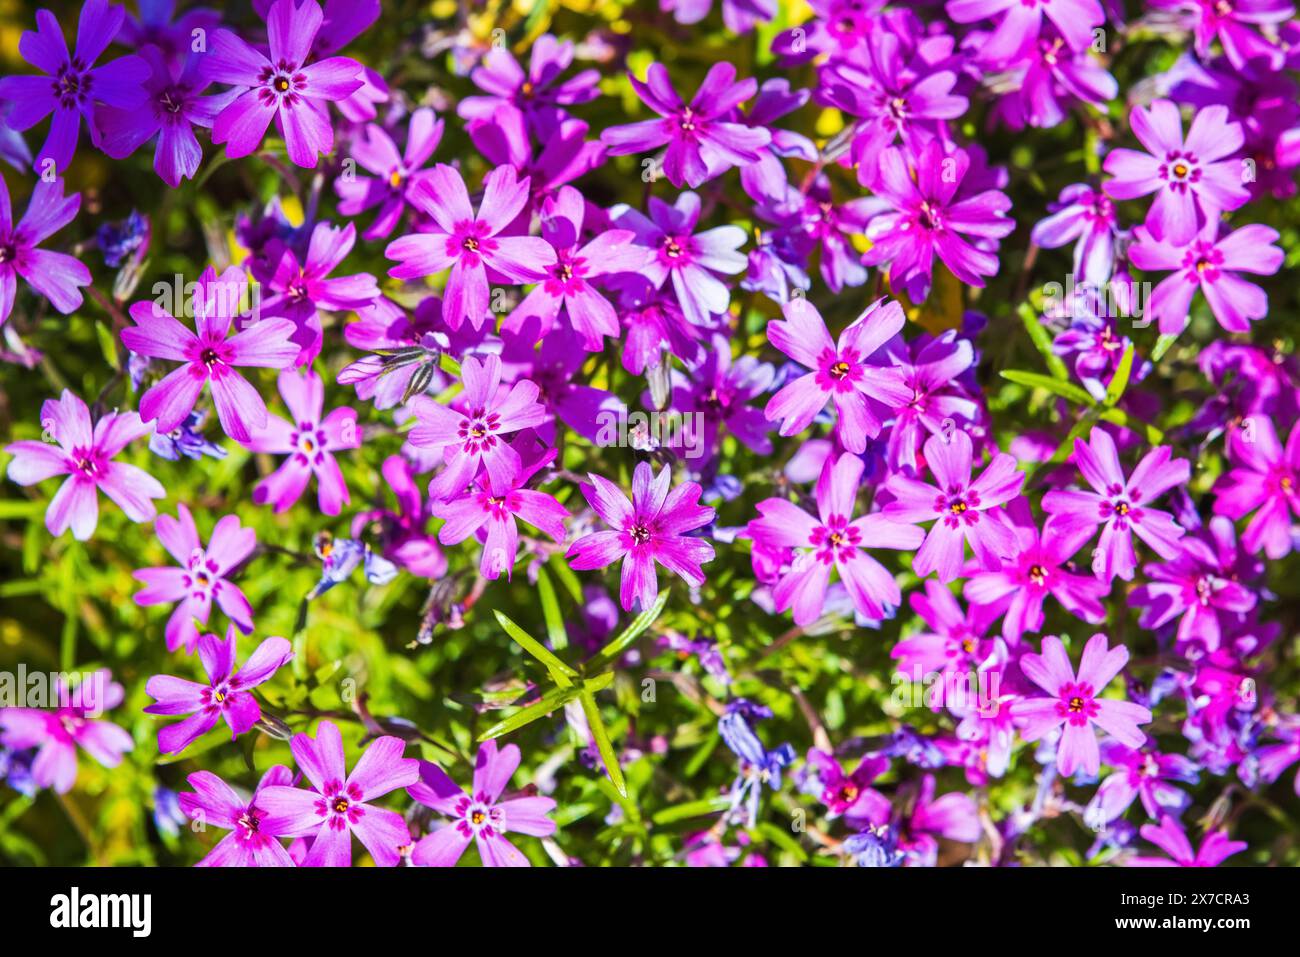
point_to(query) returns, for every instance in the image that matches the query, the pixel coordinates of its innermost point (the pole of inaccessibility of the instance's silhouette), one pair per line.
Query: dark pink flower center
(838, 371)
(1076, 704)
(836, 540)
(340, 805)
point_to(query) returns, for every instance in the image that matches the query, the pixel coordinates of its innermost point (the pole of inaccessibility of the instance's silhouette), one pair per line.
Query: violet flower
(339, 804)
(646, 530)
(253, 840)
(1087, 218)
(1144, 774)
(72, 84)
(396, 173)
(480, 816)
(1232, 25)
(719, 390)
(85, 454)
(227, 696)
(1020, 23)
(1172, 839)
(201, 579)
(700, 143)
(209, 357)
(56, 276)
(1264, 479)
(309, 441)
(1121, 506)
(1075, 705)
(834, 539)
(539, 96)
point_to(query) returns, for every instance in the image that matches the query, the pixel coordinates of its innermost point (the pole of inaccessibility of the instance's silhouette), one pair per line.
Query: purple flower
(402, 533)
(1033, 572)
(1121, 506)
(1274, 759)
(738, 16)
(201, 579)
(72, 85)
(538, 96)
(85, 454)
(700, 142)
(1210, 263)
(490, 508)
(1140, 773)
(1086, 217)
(953, 816)
(396, 174)
(1227, 22)
(646, 530)
(253, 839)
(469, 243)
(1172, 839)
(923, 216)
(966, 511)
(171, 110)
(813, 222)
(481, 817)
(56, 276)
(58, 733)
(959, 640)
(209, 357)
(848, 796)
(691, 260)
(840, 371)
(474, 436)
(1265, 479)
(302, 290)
(567, 284)
(309, 441)
(932, 369)
(282, 86)
(226, 696)
(759, 767)
(154, 27)
(1054, 76)
(1022, 21)
(339, 803)
(1074, 704)
(836, 540)
(719, 389)
(405, 351)
(1193, 180)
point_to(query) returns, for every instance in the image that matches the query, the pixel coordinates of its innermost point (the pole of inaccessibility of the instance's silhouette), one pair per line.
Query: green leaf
(560, 672)
(1035, 380)
(1042, 341)
(551, 611)
(1162, 346)
(611, 651)
(552, 700)
(1119, 382)
(449, 365)
(700, 808)
(603, 744)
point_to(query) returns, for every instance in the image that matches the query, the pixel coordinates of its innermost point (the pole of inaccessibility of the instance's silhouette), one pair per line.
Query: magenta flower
(1034, 571)
(1212, 264)
(966, 511)
(396, 174)
(1232, 24)
(923, 217)
(701, 143)
(58, 733)
(1193, 180)
(226, 696)
(1074, 704)
(719, 390)
(933, 371)
(56, 276)
(834, 539)
(958, 641)
(474, 436)
(841, 371)
(646, 530)
(537, 97)
(490, 508)
(170, 112)
(253, 838)
(302, 290)
(1121, 506)
(72, 84)
(1172, 839)
(310, 442)
(403, 537)
(1086, 217)
(209, 357)
(1264, 479)
(1021, 21)
(201, 579)
(849, 796)
(567, 285)
(469, 243)
(338, 805)
(481, 817)
(85, 454)
(691, 260)
(1142, 773)
(283, 86)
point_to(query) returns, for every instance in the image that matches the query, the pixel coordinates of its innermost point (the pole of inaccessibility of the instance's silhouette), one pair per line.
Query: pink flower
(481, 817)
(1172, 839)
(646, 530)
(309, 442)
(966, 511)
(841, 372)
(85, 455)
(252, 841)
(226, 696)
(201, 577)
(1074, 703)
(209, 357)
(339, 803)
